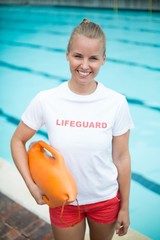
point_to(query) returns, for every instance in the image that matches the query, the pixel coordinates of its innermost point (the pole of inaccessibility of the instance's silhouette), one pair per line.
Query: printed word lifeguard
(80, 124)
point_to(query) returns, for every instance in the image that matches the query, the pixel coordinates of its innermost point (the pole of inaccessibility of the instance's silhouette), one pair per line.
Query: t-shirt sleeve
(123, 121)
(33, 116)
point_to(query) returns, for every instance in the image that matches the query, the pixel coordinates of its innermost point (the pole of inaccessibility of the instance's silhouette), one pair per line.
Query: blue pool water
(32, 58)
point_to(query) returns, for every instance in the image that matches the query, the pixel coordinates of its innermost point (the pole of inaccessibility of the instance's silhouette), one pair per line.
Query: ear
(104, 59)
(67, 56)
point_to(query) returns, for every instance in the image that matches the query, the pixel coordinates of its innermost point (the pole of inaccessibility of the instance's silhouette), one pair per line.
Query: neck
(82, 89)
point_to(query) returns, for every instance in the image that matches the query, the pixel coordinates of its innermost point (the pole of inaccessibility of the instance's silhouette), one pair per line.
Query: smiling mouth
(83, 74)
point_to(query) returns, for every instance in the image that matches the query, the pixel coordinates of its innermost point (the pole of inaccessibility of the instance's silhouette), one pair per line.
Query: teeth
(84, 73)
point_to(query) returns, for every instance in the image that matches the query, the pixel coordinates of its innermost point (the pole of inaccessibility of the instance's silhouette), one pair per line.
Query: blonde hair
(90, 30)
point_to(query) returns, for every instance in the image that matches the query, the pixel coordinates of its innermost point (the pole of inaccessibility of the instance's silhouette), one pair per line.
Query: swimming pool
(32, 58)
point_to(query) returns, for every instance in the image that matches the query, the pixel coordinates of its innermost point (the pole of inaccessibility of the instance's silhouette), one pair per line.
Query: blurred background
(33, 39)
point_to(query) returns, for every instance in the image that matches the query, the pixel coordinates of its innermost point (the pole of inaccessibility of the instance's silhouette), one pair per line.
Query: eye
(94, 58)
(78, 56)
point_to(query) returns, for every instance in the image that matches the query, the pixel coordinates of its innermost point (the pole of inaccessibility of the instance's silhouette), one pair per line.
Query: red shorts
(101, 212)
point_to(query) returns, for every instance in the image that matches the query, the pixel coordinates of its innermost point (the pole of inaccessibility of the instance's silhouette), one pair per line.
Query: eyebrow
(96, 56)
(77, 53)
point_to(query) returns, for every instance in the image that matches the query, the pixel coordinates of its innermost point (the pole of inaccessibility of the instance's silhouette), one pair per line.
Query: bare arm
(22, 134)
(121, 158)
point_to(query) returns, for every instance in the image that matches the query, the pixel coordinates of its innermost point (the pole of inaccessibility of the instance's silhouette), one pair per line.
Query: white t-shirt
(81, 128)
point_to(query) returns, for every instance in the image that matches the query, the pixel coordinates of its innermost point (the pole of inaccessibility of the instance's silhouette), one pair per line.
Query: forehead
(82, 44)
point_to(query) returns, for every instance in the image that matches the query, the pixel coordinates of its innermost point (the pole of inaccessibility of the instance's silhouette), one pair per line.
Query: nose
(84, 64)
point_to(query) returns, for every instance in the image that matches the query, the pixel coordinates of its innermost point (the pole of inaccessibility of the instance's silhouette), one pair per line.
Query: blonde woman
(89, 125)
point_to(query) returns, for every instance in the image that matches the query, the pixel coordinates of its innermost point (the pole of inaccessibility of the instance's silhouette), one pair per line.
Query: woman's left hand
(122, 223)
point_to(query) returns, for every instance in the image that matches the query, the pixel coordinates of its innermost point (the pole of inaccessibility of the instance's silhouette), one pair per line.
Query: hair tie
(85, 20)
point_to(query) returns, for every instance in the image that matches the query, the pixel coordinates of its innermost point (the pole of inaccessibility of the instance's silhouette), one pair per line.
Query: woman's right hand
(37, 194)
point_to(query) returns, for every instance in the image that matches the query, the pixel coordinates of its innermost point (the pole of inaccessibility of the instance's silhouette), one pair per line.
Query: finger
(125, 228)
(118, 227)
(40, 202)
(39, 199)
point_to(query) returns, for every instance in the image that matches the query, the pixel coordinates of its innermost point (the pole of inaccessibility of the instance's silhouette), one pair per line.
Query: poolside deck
(18, 223)
(21, 218)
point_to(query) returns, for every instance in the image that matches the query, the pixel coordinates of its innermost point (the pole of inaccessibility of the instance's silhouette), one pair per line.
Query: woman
(89, 125)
